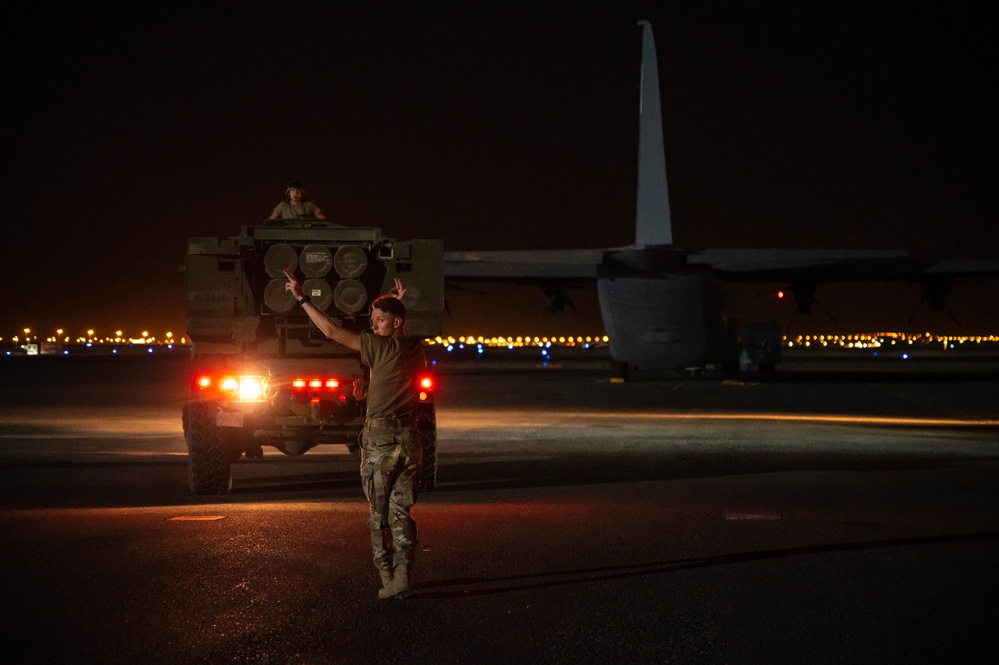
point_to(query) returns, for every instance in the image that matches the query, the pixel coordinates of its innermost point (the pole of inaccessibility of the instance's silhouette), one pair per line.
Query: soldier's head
(388, 316)
(294, 192)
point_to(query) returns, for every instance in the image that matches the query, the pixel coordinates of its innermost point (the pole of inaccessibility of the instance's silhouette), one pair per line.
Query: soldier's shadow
(484, 586)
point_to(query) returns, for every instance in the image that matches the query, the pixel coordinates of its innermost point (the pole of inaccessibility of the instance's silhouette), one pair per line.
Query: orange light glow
(298, 383)
(332, 383)
(205, 382)
(882, 421)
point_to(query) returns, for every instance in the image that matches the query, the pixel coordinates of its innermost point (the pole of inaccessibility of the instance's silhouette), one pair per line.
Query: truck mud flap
(426, 424)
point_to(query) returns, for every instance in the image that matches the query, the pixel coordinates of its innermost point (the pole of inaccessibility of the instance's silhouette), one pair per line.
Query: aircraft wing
(728, 265)
(523, 265)
(818, 266)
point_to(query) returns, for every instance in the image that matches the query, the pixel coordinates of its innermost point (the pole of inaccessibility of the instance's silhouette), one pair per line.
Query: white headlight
(251, 388)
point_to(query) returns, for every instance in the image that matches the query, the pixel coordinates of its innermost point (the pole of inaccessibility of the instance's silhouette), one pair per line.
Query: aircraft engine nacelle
(669, 321)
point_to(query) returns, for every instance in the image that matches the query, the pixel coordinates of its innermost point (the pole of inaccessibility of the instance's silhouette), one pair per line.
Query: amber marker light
(240, 388)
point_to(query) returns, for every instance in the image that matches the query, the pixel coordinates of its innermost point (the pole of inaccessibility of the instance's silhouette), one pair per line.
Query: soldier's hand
(293, 285)
(359, 389)
(398, 291)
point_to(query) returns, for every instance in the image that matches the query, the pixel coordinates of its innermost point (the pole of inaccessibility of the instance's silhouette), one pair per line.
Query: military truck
(264, 375)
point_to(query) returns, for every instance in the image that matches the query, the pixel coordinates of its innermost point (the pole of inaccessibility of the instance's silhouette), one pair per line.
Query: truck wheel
(207, 455)
(426, 425)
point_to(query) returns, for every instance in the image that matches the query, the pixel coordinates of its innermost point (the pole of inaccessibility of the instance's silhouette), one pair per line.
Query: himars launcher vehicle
(263, 373)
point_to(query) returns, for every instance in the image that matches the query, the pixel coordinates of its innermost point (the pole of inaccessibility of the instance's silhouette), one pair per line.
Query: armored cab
(264, 375)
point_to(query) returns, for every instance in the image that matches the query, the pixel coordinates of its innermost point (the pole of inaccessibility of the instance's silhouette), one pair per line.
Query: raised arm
(328, 326)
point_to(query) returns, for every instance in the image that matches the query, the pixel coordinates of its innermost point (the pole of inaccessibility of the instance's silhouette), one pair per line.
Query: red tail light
(316, 384)
(426, 384)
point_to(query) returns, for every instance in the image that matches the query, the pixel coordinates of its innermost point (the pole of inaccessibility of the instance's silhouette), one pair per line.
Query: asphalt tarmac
(837, 514)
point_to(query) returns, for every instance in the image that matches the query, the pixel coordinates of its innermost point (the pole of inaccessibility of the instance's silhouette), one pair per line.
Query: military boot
(386, 576)
(398, 586)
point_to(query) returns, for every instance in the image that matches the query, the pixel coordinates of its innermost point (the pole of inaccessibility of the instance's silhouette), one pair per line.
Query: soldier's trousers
(390, 465)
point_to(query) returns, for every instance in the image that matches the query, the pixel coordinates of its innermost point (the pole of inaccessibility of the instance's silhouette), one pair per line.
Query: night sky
(131, 127)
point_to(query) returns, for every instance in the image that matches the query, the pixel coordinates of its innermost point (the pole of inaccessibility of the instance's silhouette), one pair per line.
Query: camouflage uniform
(390, 462)
(391, 454)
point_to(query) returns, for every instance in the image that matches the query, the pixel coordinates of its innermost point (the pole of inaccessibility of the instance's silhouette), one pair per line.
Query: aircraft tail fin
(652, 218)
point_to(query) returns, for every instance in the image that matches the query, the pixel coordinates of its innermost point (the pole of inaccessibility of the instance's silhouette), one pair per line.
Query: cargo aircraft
(662, 305)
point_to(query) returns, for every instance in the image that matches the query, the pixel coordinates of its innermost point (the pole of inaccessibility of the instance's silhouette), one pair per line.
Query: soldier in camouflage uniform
(391, 455)
(390, 463)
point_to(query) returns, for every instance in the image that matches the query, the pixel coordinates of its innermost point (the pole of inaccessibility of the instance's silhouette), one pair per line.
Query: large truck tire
(208, 457)
(426, 425)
